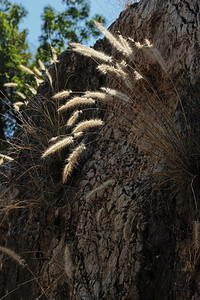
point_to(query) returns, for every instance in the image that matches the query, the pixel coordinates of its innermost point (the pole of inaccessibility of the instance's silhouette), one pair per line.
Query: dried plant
(90, 52)
(68, 262)
(196, 235)
(61, 95)
(148, 118)
(72, 161)
(12, 254)
(10, 84)
(27, 70)
(84, 125)
(59, 145)
(74, 117)
(145, 115)
(76, 101)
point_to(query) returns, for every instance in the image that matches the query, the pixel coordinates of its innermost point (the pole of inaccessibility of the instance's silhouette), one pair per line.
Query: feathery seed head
(78, 134)
(84, 125)
(76, 101)
(27, 70)
(42, 66)
(127, 47)
(12, 254)
(38, 81)
(120, 71)
(148, 43)
(54, 54)
(117, 94)
(155, 53)
(6, 157)
(106, 68)
(59, 145)
(31, 89)
(53, 139)
(10, 84)
(74, 117)
(138, 76)
(37, 71)
(17, 105)
(100, 188)
(72, 161)
(126, 77)
(49, 77)
(122, 64)
(139, 45)
(96, 95)
(90, 52)
(61, 95)
(121, 45)
(21, 95)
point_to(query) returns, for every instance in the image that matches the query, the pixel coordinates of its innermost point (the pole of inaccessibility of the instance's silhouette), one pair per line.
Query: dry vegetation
(151, 123)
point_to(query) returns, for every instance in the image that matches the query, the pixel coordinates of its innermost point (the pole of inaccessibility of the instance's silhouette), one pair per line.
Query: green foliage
(13, 53)
(71, 25)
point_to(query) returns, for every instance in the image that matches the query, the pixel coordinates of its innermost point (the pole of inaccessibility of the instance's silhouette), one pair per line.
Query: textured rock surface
(126, 238)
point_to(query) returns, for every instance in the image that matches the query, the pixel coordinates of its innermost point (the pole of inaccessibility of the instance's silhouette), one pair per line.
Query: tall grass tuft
(142, 112)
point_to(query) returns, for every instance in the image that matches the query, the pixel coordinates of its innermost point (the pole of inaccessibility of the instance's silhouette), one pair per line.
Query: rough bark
(126, 238)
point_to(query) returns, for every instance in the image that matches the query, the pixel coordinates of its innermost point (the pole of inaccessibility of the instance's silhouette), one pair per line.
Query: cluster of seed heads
(106, 65)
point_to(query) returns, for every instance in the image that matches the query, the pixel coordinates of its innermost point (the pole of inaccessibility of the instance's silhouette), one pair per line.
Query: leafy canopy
(71, 25)
(13, 53)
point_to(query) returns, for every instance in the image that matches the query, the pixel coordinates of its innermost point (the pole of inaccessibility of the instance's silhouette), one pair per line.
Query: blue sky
(109, 8)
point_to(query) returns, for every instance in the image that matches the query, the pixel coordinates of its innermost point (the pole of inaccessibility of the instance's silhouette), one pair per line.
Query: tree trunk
(115, 230)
